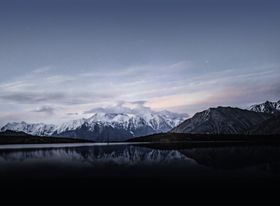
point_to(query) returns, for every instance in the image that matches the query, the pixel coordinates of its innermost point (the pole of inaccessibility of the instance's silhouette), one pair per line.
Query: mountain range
(257, 119)
(266, 107)
(103, 126)
(260, 119)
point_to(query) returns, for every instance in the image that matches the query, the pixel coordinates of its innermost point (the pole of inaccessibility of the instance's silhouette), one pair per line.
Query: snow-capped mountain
(266, 107)
(38, 129)
(106, 126)
(221, 120)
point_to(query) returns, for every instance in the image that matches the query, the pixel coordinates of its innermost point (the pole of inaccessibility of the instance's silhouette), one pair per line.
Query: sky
(61, 59)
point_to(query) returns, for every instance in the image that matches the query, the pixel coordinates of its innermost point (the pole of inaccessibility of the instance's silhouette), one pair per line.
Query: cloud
(174, 86)
(42, 69)
(31, 97)
(72, 113)
(122, 107)
(45, 109)
(228, 87)
(26, 97)
(126, 84)
(239, 94)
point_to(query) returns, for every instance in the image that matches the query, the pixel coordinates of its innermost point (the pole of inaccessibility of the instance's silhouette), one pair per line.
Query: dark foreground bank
(135, 190)
(185, 137)
(12, 137)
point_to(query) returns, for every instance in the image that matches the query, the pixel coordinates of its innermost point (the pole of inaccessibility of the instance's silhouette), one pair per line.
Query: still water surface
(118, 159)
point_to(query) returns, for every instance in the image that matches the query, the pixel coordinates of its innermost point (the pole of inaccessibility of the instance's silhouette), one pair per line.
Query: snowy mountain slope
(266, 107)
(117, 126)
(106, 126)
(39, 129)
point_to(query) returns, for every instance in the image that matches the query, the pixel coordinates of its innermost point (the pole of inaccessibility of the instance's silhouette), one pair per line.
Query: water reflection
(221, 160)
(125, 155)
(231, 158)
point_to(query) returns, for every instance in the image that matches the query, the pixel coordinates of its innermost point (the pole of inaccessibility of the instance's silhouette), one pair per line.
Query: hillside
(221, 120)
(268, 127)
(12, 137)
(183, 140)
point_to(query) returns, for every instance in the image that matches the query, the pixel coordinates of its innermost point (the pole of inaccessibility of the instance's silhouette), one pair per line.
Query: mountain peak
(101, 125)
(221, 120)
(266, 107)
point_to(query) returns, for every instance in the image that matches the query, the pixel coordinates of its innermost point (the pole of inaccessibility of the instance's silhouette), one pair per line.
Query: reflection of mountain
(235, 157)
(220, 158)
(97, 156)
(231, 158)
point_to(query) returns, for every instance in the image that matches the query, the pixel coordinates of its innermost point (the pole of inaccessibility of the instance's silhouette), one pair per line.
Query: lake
(135, 173)
(90, 160)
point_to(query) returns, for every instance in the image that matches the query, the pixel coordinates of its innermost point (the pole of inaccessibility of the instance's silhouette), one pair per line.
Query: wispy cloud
(43, 69)
(174, 86)
(229, 87)
(46, 109)
(72, 113)
(122, 107)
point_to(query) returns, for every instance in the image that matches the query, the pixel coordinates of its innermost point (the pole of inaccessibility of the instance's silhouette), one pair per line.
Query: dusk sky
(60, 59)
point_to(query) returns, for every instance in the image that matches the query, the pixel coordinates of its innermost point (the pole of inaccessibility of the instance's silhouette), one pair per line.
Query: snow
(68, 126)
(34, 129)
(267, 107)
(158, 121)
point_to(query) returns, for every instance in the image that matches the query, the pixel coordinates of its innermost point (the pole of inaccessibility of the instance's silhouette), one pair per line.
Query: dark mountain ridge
(270, 126)
(13, 137)
(222, 120)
